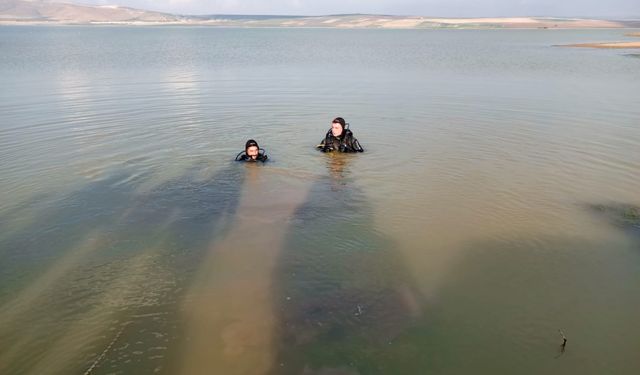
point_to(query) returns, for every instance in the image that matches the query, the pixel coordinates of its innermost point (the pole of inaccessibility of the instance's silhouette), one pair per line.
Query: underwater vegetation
(620, 214)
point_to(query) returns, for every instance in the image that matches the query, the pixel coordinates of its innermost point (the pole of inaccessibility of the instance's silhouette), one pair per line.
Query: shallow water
(461, 241)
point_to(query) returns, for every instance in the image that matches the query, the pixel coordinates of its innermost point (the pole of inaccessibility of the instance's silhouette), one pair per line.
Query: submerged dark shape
(563, 346)
(108, 260)
(620, 214)
(345, 298)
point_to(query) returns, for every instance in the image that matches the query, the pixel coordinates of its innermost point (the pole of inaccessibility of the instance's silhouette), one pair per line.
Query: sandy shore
(618, 45)
(607, 45)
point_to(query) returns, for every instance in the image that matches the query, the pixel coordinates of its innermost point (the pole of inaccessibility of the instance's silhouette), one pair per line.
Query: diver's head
(252, 149)
(337, 126)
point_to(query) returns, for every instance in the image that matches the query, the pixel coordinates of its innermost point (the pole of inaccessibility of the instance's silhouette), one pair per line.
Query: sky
(436, 8)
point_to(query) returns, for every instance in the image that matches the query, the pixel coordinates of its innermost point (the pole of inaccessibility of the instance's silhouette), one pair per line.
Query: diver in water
(252, 153)
(339, 138)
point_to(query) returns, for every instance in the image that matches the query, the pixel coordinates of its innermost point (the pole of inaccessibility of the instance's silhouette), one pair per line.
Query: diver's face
(336, 129)
(252, 152)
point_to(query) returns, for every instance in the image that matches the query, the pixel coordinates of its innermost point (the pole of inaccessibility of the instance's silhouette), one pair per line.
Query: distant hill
(51, 12)
(242, 17)
(48, 11)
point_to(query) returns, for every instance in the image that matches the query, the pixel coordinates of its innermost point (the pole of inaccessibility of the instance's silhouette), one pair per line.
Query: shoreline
(606, 45)
(348, 22)
(220, 26)
(609, 45)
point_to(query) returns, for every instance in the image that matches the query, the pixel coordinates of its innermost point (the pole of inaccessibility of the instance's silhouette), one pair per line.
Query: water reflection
(336, 165)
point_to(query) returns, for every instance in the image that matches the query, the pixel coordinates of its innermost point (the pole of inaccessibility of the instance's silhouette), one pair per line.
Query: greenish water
(496, 203)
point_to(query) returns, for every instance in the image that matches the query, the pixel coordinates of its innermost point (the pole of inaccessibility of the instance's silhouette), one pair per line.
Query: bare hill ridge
(51, 12)
(55, 12)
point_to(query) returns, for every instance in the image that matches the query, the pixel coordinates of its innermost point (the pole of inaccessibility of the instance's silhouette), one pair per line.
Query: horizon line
(604, 18)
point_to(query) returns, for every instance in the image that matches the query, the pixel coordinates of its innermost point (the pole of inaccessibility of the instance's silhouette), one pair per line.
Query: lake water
(495, 203)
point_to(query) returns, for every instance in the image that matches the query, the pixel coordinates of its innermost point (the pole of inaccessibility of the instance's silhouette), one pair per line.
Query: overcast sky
(440, 8)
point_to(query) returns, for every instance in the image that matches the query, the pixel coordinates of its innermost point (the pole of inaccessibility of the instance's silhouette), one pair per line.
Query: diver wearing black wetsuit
(252, 153)
(344, 141)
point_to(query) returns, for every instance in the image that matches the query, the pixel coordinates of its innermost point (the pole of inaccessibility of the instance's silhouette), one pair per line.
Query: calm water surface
(494, 204)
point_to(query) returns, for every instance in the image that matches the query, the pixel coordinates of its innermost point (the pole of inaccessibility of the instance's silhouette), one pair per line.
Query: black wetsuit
(244, 157)
(346, 142)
